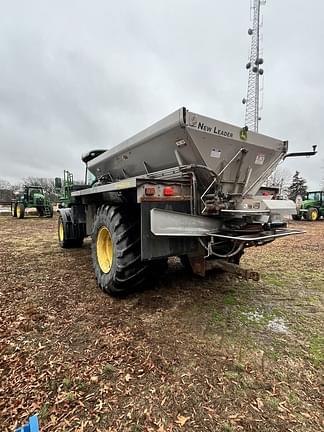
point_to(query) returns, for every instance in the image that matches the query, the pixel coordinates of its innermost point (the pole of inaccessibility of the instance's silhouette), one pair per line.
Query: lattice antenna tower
(254, 90)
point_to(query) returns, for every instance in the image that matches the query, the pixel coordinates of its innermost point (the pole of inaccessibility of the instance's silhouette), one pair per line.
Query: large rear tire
(20, 211)
(116, 250)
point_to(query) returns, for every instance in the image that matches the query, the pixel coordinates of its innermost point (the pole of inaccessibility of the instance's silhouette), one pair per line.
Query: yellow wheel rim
(314, 215)
(61, 231)
(18, 211)
(104, 249)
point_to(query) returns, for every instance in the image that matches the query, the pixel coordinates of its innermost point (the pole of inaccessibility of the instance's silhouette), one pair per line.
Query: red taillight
(149, 191)
(168, 191)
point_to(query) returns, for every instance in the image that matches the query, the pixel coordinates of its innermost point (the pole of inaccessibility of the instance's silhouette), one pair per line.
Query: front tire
(20, 211)
(13, 211)
(116, 250)
(296, 217)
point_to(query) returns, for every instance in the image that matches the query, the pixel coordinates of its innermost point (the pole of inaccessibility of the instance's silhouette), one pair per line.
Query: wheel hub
(61, 232)
(104, 249)
(314, 215)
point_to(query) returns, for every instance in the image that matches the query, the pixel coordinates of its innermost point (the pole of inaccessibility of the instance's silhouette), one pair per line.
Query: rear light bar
(163, 192)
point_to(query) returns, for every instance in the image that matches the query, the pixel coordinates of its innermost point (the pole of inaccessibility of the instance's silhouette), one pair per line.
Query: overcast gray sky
(77, 74)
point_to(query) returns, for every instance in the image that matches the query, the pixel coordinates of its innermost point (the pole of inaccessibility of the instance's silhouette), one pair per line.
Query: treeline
(7, 189)
(289, 185)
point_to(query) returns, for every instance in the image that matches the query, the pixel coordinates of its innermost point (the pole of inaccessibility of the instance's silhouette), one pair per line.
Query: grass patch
(227, 428)
(44, 411)
(316, 348)
(230, 300)
(67, 383)
(274, 279)
(70, 397)
(108, 369)
(231, 375)
(293, 398)
(217, 317)
(272, 403)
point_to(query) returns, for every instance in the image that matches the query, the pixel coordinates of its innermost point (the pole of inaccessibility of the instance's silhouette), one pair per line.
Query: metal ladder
(47, 211)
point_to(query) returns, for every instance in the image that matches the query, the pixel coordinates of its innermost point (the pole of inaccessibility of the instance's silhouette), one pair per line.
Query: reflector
(168, 191)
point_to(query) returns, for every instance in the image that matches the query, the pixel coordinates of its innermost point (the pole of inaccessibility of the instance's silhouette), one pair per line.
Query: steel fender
(287, 207)
(66, 214)
(174, 224)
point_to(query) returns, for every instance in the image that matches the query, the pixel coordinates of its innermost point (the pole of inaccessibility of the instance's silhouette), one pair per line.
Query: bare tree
(48, 184)
(4, 184)
(6, 191)
(280, 178)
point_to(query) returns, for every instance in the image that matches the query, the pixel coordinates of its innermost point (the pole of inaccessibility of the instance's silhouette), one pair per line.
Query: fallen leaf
(182, 420)
(128, 378)
(259, 403)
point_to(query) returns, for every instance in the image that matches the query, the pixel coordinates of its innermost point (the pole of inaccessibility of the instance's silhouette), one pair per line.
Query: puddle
(277, 325)
(253, 316)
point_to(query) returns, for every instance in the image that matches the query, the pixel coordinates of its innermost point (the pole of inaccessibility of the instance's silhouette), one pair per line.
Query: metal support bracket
(200, 266)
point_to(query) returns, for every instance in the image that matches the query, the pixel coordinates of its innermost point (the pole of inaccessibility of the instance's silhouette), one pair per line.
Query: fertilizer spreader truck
(183, 187)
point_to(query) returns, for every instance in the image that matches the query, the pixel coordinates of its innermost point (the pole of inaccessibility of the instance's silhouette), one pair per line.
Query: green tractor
(64, 189)
(312, 206)
(31, 197)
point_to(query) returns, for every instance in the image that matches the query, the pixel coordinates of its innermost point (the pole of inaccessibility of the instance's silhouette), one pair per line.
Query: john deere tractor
(312, 206)
(31, 197)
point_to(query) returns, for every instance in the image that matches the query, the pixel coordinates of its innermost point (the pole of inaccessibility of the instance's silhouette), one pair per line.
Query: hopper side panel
(129, 155)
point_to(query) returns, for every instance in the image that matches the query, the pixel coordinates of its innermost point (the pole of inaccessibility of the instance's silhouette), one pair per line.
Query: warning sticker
(215, 153)
(259, 160)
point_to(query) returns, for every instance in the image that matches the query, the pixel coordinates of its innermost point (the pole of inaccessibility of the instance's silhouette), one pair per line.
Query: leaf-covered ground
(214, 354)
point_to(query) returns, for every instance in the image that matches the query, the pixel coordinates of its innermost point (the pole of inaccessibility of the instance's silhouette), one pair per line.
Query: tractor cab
(90, 178)
(315, 198)
(34, 193)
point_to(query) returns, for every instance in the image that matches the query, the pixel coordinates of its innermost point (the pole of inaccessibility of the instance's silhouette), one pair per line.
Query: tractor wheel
(184, 259)
(312, 214)
(40, 211)
(158, 267)
(296, 217)
(116, 251)
(48, 212)
(14, 210)
(63, 241)
(20, 211)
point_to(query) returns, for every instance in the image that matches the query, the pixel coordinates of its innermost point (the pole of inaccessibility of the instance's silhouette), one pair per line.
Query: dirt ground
(190, 354)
